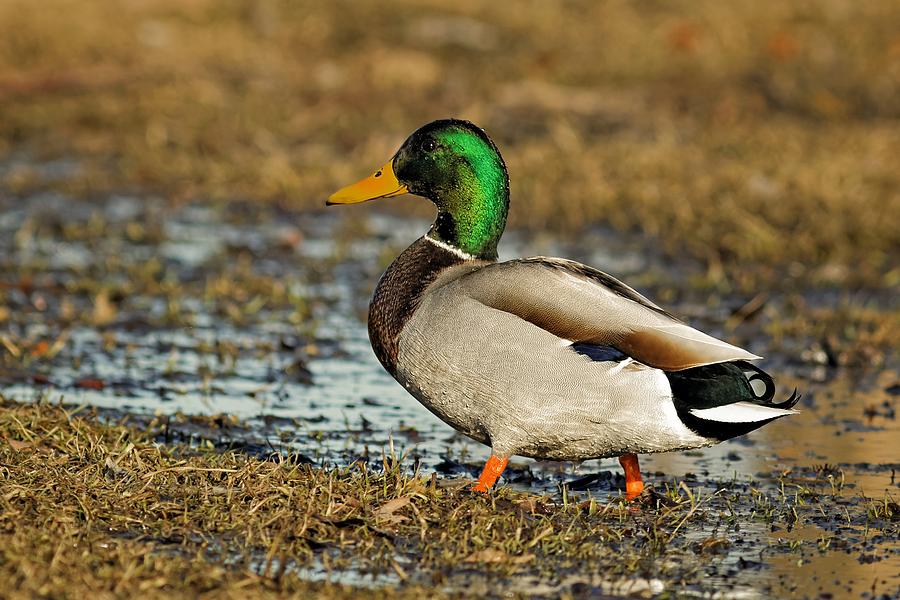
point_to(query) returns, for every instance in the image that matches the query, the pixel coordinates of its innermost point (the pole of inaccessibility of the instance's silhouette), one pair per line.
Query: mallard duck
(539, 357)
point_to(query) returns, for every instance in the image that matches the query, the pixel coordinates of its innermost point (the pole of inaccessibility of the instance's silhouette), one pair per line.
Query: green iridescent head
(454, 164)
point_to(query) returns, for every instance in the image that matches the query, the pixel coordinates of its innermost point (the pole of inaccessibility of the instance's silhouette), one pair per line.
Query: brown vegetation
(752, 133)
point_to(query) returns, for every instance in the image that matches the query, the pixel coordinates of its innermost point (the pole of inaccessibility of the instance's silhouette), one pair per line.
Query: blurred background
(760, 138)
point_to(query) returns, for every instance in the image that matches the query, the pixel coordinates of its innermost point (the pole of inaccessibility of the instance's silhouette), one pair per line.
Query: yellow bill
(383, 184)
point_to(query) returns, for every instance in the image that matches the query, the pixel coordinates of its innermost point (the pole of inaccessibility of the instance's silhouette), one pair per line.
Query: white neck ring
(449, 248)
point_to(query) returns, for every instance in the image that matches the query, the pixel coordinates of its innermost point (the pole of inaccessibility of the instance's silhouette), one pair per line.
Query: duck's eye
(429, 145)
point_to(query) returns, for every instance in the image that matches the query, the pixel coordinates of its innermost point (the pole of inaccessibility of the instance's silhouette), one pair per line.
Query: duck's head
(454, 164)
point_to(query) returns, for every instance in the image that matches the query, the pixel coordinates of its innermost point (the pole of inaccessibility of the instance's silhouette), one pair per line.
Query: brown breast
(399, 293)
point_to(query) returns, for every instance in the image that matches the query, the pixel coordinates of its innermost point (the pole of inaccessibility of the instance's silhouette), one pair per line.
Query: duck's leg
(633, 484)
(491, 472)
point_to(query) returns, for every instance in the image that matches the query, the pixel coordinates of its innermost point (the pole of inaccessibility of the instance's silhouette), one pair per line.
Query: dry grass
(743, 134)
(100, 511)
(89, 508)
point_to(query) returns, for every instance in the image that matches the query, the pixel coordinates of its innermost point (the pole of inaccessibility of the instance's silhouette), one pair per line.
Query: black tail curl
(791, 401)
(754, 373)
(720, 384)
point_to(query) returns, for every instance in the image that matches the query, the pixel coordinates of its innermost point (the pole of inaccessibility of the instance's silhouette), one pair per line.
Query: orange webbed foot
(491, 472)
(634, 487)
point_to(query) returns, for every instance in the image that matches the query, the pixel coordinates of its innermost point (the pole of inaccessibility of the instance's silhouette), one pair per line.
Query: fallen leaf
(533, 505)
(90, 384)
(17, 445)
(391, 506)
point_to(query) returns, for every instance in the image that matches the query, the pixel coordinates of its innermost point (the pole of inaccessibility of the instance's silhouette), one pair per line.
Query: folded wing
(581, 304)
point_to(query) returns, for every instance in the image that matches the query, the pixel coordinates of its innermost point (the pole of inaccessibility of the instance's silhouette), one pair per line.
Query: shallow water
(258, 313)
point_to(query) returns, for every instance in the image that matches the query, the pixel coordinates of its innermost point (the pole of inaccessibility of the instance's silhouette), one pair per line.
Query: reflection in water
(261, 317)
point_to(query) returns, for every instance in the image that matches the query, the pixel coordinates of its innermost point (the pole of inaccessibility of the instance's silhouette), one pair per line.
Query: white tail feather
(741, 412)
